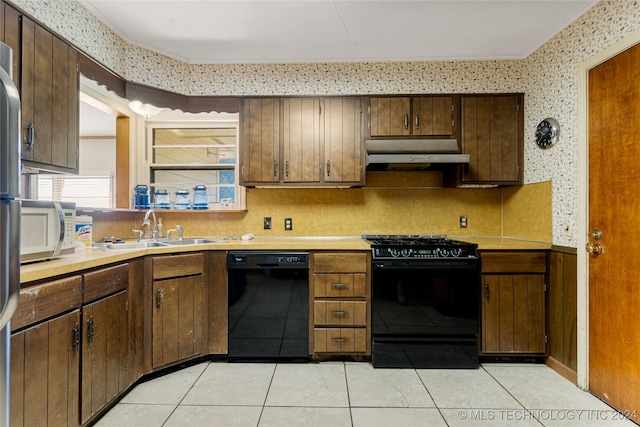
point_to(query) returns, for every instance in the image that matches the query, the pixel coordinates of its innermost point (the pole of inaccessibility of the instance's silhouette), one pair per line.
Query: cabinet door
(390, 116)
(11, 35)
(50, 99)
(104, 352)
(343, 140)
(178, 318)
(433, 116)
(492, 133)
(45, 373)
(513, 314)
(260, 140)
(301, 139)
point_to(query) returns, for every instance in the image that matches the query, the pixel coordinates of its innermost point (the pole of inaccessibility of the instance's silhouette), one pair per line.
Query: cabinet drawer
(101, 283)
(177, 265)
(40, 302)
(513, 262)
(340, 313)
(340, 262)
(340, 340)
(339, 285)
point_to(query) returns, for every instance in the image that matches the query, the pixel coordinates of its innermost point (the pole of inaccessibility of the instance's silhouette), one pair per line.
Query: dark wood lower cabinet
(514, 303)
(513, 314)
(177, 319)
(104, 352)
(45, 373)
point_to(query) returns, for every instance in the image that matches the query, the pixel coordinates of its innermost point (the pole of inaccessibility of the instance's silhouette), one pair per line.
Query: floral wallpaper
(548, 77)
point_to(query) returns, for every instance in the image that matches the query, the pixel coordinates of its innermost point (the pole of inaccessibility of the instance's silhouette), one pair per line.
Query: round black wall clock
(547, 133)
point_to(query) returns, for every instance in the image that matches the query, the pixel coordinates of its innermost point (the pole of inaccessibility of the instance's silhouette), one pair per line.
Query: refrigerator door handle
(9, 295)
(10, 127)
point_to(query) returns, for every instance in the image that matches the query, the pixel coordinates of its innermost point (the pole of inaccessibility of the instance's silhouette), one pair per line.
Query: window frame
(230, 121)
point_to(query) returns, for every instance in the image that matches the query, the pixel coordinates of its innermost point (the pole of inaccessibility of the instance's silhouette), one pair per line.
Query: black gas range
(421, 250)
(425, 304)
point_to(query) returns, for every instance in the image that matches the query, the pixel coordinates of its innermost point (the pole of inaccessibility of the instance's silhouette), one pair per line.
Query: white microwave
(47, 229)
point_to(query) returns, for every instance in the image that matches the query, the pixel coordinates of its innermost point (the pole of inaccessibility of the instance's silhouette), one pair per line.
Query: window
(183, 155)
(85, 190)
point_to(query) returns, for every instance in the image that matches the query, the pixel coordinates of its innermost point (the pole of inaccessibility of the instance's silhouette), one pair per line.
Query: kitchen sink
(133, 245)
(193, 242)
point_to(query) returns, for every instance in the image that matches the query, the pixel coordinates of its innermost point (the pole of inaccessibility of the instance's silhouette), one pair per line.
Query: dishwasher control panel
(258, 259)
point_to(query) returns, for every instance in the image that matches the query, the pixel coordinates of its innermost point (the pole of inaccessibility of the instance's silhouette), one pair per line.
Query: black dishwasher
(268, 305)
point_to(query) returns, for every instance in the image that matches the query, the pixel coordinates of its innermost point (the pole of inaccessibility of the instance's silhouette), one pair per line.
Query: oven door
(425, 317)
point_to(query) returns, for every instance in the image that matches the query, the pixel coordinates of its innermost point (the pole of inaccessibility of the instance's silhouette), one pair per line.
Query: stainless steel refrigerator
(9, 218)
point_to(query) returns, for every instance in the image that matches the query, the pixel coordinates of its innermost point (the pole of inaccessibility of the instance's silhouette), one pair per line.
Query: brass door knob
(594, 249)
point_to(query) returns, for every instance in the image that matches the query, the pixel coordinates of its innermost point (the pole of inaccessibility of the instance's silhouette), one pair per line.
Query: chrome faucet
(151, 212)
(178, 229)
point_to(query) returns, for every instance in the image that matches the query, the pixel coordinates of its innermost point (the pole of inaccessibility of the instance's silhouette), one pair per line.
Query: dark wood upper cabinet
(50, 100)
(301, 141)
(406, 116)
(492, 134)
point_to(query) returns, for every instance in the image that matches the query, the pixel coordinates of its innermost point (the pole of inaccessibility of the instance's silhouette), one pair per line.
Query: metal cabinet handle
(340, 314)
(275, 168)
(158, 299)
(486, 291)
(76, 337)
(30, 137)
(339, 340)
(417, 121)
(90, 329)
(328, 167)
(286, 168)
(339, 285)
(406, 121)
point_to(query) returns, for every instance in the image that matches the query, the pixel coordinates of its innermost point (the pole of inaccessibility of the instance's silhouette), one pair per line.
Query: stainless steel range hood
(412, 153)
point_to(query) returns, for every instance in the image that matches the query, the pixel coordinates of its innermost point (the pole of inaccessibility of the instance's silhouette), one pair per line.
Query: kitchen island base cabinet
(179, 308)
(514, 303)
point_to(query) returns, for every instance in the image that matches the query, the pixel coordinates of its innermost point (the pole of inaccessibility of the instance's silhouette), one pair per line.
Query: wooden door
(45, 373)
(491, 135)
(513, 315)
(65, 106)
(260, 140)
(104, 352)
(390, 116)
(433, 116)
(614, 209)
(178, 318)
(343, 140)
(301, 139)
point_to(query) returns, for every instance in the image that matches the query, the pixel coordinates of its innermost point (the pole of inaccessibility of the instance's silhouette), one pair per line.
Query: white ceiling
(264, 31)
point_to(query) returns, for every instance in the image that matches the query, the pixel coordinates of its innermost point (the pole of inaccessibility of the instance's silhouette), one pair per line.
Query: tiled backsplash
(352, 212)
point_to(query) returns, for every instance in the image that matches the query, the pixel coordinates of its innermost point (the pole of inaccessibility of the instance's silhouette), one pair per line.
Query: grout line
(431, 397)
(185, 395)
(346, 382)
(266, 396)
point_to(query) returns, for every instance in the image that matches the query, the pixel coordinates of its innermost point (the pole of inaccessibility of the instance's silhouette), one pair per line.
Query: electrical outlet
(288, 224)
(463, 221)
(267, 223)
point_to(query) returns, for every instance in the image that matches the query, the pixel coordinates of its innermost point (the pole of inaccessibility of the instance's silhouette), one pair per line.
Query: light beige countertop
(92, 258)
(504, 243)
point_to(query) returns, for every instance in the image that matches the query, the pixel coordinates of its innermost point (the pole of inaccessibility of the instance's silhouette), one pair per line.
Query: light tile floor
(354, 394)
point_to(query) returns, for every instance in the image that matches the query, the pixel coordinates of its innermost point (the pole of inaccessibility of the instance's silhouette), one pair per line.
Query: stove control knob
(444, 252)
(455, 253)
(394, 253)
(406, 252)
